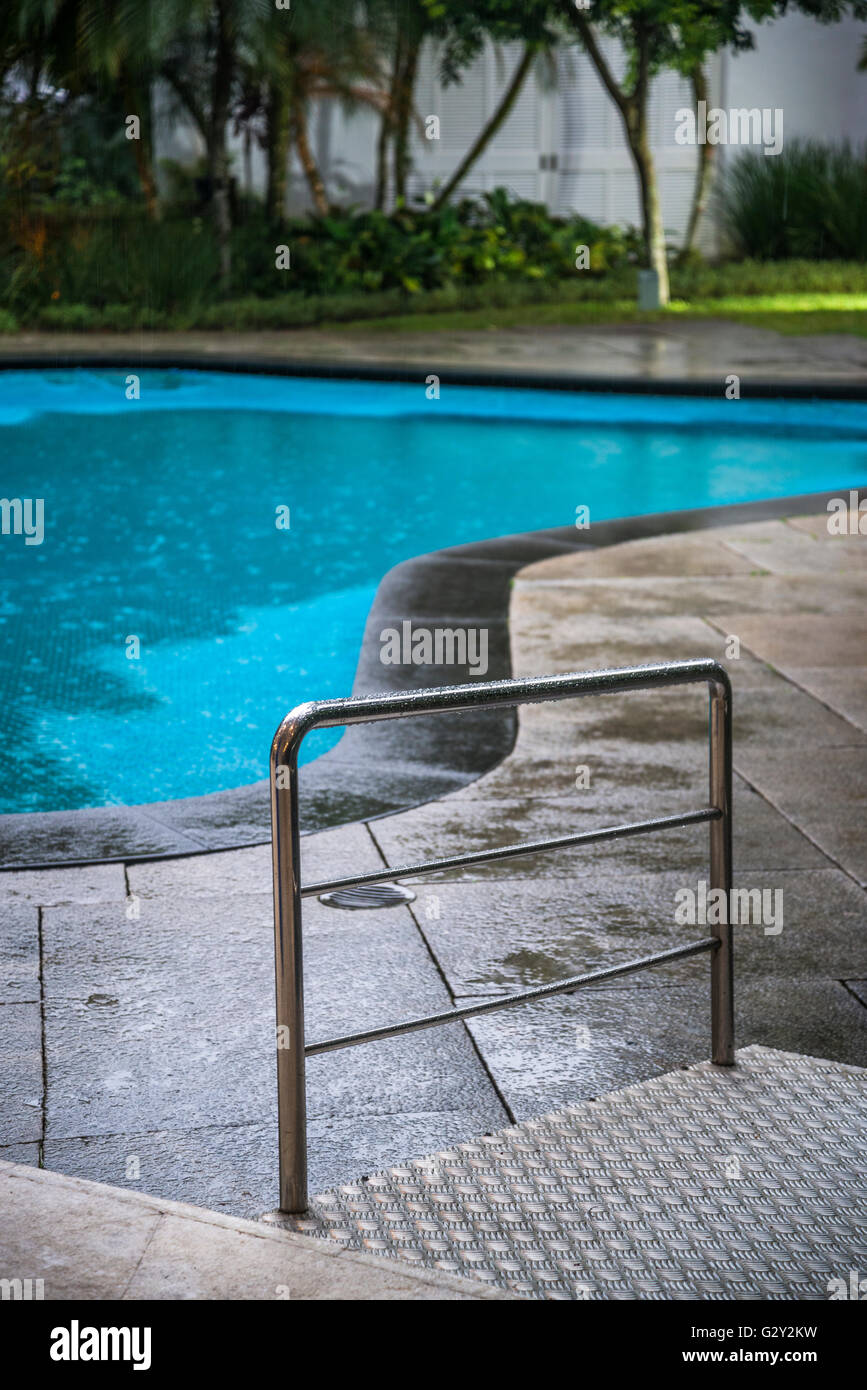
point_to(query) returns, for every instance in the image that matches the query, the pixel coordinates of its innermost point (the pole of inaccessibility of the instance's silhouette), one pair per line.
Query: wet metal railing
(289, 891)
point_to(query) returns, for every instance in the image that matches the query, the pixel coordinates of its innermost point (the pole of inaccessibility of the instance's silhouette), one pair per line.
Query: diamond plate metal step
(707, 1183)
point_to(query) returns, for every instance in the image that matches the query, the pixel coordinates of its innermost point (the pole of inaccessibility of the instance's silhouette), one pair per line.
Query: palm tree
(308, 54)
(203, 64)
(81, 43)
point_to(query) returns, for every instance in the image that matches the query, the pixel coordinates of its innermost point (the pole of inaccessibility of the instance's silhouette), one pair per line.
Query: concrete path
(138, 1007)
(673, 350)
(82, 1240)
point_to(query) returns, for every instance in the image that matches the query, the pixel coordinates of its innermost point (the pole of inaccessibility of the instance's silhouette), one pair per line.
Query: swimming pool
(160, 525)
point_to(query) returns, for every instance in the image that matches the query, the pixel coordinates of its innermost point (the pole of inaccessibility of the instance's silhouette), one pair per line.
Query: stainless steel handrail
(289, 891)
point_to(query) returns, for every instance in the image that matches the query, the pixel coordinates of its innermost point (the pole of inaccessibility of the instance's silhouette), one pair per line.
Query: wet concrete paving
(136, 1022)
(675, 349)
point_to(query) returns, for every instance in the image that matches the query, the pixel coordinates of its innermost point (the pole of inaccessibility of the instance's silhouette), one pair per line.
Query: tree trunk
(387, 126)
(218, 155)
(314, 178)
(633, 110)
(490, 129)
(651, 211)
(279, 143)
(704, 171)
(403, 114)
(381, 189)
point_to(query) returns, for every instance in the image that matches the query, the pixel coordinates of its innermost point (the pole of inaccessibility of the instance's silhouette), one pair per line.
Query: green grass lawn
(789, 297)
(785, 313)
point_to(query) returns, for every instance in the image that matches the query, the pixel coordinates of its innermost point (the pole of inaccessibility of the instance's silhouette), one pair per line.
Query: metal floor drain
(369, 895)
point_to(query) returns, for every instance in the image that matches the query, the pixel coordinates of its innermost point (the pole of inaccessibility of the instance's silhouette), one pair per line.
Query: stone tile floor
(136, 1022)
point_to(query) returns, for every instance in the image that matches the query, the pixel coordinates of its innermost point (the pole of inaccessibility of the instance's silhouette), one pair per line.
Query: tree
(81, 44)
(204, 65)
(704, 168)
(656, 34)
(466, 30)
(677, 34)
(406, 24)
(309, 53)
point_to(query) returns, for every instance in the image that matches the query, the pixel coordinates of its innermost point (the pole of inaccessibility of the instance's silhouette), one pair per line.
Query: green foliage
(58, 150)
(757, 278)
(117, 259)
(809, 201)
(49, 261)
(416, 249)
(818, 296)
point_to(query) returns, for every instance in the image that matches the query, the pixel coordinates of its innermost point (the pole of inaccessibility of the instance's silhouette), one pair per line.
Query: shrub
(809, 202)
(114, 256)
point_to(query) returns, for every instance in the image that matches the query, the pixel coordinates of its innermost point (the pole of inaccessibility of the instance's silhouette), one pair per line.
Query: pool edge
(390, 767)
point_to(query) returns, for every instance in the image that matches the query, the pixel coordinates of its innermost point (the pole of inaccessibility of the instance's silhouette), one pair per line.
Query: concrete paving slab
(234, 1168)
(784, 550)
(329, 854)
(522, 933)
(622, 773)
(19, 953)
(656, 557)
(20, 1153)
(83, 1244)
(803, 639)
(778, 712)
(843, 689)
(104, 833)
(825, 792)
(601, 639)
(758, 592)
(817, 527)
(693, 349)
(49, 887)
(21, 1068)
(790, 718)
(230, 872)
(89, 1241)
(167, 1022)
(563, 1050)
(763, 839)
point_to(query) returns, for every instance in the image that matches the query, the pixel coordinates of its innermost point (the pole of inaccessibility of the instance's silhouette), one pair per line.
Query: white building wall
(808, 69)
(563, 142)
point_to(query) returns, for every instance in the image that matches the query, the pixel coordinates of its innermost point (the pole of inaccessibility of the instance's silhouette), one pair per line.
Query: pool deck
(137, 1014)
(691, 350)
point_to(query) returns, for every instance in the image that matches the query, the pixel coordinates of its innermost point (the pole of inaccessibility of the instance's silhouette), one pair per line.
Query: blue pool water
(160, 524)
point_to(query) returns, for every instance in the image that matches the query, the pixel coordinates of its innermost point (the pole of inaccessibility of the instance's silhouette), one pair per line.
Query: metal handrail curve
(289, 891)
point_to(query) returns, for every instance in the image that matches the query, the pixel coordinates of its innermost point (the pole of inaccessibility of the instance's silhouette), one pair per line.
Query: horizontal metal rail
(289, 891)
(526, 996)
(492, 856)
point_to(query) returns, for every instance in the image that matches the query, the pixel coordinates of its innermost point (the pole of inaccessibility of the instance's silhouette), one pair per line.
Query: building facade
(562, 143)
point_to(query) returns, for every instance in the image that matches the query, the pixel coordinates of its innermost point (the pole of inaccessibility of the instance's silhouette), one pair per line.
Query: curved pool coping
(380, 769)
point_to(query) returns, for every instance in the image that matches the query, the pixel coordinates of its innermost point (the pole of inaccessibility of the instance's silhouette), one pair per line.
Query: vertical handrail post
(722, 973)
(289, 970)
